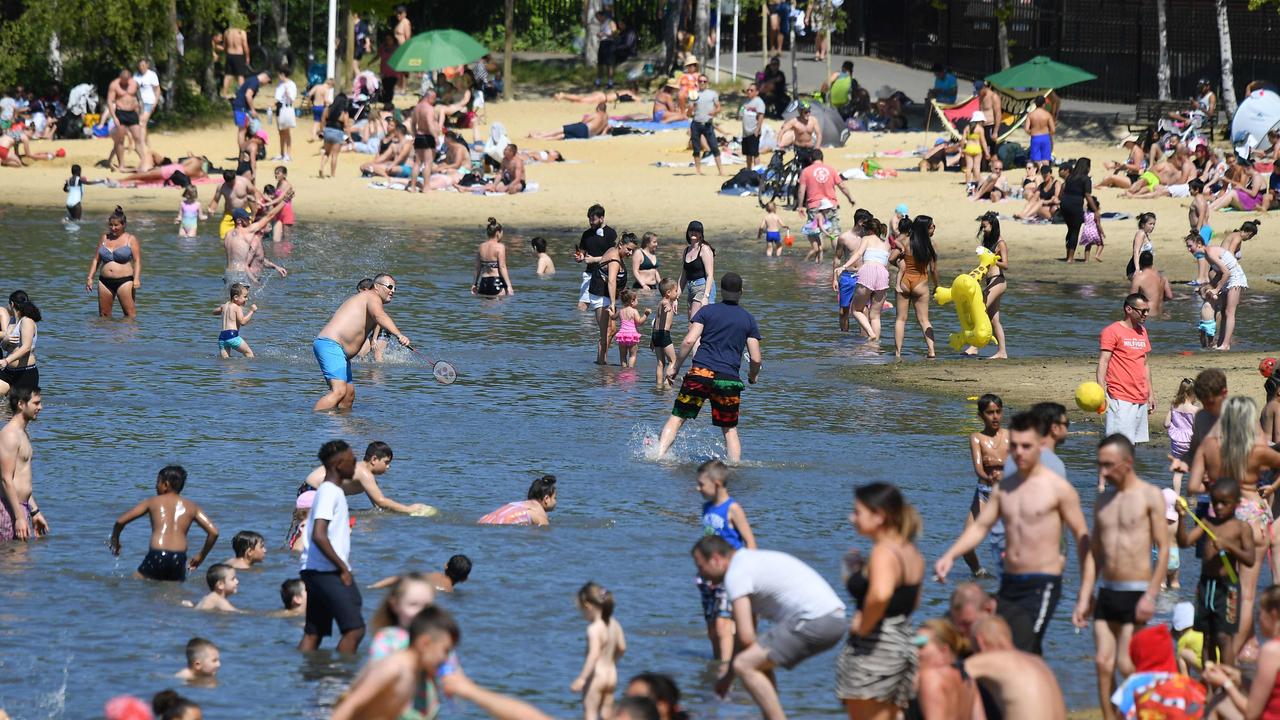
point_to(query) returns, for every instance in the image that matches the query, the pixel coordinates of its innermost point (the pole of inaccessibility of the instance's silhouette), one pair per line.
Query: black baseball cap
(731, 286)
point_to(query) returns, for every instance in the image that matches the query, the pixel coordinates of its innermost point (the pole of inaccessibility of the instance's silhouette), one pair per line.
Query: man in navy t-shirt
(242, 106)
(724, 330)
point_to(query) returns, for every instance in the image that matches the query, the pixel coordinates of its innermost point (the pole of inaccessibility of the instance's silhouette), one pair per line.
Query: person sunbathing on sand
(190, 168)
(631, 94)
(591, 126)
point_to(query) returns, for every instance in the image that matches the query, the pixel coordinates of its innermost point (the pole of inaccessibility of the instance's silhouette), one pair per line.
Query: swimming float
(971, 309)
(1090, 397)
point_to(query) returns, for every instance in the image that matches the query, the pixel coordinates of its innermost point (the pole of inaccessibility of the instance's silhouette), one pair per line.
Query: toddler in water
(663, 349)
(546, 268)
(190, 213)
(771, 229)
(1208, 324)
(1091, 233)
(203, 661)
(1177, 422)
(223, 583)
(606, 644)
(628, 337)
(723, 516)
(233, 318)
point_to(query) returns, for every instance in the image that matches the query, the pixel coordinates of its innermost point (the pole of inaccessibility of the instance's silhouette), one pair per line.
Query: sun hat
(689, 59)
(1130, 138)
(671, 83)
(978, 116)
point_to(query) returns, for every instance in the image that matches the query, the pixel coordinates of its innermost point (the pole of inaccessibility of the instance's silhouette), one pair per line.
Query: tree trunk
(1224, 45)
(1002, 39)
(702, 29)
(508, 82)
(670, 28)
(349, 52)
(284, 48)
(171, 66)
(1162, 67)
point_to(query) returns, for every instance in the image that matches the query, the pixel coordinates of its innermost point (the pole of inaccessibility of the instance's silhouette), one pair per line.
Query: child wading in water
(545, 268)
(771, 230)
(605, 645)
(171, 517)
(723, 516)
(1218, 592)
(664, 350)
(190, 213)
(628, 337)
(233, 318)
(223, 583)
(1177, 422)
(989, 447)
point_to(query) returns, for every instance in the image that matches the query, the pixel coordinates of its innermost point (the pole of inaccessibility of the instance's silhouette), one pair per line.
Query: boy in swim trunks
(1218, 593)
(223, 583)
(203, 661)
(723, 516)
(171, 517)
(771, 230)
(233, 318)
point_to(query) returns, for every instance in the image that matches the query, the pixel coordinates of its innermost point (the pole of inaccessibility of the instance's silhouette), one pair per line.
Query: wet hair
(716, 470)
(595, 211)
(118, 214)
(990, 239)
(175, 476)
(886, 499)
(458, 569)
(236, 289)
(218, 573)
(539, 244)
(493, 228)
(1251, 227)
(597, 596)
(385, 616)
(947, 634)
(22, 303)
(543, 487)
(246, 540)
(1186, 391)
(1120, 441)
(921, 244)
(1238, 427)
(190, 193)
(1269, 599)
(169, 705)
(1196, 185)
(331, 450)
(989, 399)
(378, 449)
(1210, 383)
(434, 621)
(628, 295)
(665, 286)
(198, 646)
(291, 590)
(710, 545)
(636, 708)
(1026, 420)
(1146, 260)
(1144, 217)
(364, 284)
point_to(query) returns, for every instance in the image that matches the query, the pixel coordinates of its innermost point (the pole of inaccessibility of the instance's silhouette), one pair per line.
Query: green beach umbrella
(436, 49)
(1041, 73)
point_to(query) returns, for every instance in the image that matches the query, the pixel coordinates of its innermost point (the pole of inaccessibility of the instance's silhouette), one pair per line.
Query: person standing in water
(606, 644)
(341, 338)
(995, 284)
(332, 595)
(491, 278)
(119, 255)
(171, 517)
(18, 333)
(20, 516)
(595, 240)
(697, 274)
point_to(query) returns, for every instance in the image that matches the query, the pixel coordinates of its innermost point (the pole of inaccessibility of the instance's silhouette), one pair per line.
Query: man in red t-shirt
(1123, 371)
(818, 202)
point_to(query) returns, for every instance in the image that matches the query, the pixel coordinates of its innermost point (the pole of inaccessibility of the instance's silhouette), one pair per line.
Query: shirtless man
(243, 244)
(1151, 282)
(20, 516)
(844, 277)
(595, 124)
(124, 107)
(1020, 684)
(512, 180)
(377, 460)
(803, 132)
(9, 156)
(1128, 521)
(340, 339)
(234, 192)
(392, 161)
(989, 104)
(403, 31)
(995, 186)
(237, 42)
(1041, 127)
(426, 130)
(1034, 504)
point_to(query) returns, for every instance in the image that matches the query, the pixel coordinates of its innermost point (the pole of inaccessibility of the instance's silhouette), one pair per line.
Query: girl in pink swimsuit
(542, 500)
(628, 337)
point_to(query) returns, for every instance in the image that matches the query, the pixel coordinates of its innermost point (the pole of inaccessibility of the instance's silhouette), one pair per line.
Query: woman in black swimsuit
(608, 279)
(644, 264)
(697, 274)
(994, 284)
(120, 258)
(1042, 199)
(491, 278)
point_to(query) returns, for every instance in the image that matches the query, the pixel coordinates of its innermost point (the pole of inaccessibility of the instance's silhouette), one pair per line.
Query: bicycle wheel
(768, 191)
(790, 183)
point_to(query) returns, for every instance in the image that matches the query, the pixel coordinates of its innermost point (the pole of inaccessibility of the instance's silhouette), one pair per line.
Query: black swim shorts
(164, 565)
(423, 141)
(127, 118)
(1027, 602)
(1118, 606)
(576, 131)
(1217, 606)
(236, 65)
(329, 601)
(751, 145)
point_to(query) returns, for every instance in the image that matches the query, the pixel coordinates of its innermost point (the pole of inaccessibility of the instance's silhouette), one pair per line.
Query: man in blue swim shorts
(341, 338)
(1040, 126)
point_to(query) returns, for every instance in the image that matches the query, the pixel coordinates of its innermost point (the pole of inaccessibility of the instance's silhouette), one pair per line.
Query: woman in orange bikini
(919, 268)
(1240, 452)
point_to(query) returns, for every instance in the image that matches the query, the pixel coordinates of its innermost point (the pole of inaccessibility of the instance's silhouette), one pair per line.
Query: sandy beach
(619, 173)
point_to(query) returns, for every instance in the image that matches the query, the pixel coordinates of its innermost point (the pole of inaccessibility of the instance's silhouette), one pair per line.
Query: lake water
(123, 399)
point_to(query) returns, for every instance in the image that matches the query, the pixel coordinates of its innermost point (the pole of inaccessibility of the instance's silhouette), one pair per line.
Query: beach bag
(1011, 154)
(746, 178)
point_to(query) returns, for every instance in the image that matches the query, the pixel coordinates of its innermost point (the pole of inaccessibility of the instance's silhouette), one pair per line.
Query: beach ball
(1267, 366)
(789, 240)
(1090, 397)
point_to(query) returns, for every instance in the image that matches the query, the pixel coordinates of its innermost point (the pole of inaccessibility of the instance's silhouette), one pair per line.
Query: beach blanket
(1015, 105)
(529, 187)
(651, 126)
(160, 183)
(725, 159)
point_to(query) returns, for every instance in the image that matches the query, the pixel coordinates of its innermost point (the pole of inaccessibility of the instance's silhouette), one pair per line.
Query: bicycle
(781, 181)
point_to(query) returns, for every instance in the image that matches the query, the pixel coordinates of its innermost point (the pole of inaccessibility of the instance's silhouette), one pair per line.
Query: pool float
(971, 309)
(1090, 397)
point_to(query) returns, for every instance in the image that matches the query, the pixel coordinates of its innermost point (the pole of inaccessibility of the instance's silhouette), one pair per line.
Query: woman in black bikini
(608, 279)
(119, 256)
(644, 264)
(492, 279)
(995, 283)
(1042, 200)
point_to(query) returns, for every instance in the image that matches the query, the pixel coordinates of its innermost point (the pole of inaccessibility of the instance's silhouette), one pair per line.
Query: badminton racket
(443, 371)
(1226, 560)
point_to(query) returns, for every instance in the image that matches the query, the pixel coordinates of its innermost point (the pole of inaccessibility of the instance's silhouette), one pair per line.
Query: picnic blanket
(529, 187)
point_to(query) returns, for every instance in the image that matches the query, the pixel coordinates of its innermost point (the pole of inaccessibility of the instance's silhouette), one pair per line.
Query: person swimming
(533, 511)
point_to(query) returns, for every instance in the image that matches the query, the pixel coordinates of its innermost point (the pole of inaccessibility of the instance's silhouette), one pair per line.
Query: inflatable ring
(971, 309)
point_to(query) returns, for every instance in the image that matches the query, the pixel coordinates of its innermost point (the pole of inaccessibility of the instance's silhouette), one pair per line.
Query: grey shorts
(1128, 419)
(792, 642)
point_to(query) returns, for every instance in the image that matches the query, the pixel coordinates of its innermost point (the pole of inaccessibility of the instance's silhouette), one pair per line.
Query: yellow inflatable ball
(1090, 397)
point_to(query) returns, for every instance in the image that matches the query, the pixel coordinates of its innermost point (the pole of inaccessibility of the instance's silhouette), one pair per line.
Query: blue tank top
(715, 521)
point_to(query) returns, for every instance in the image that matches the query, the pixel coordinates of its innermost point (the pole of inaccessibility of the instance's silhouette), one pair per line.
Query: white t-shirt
(752, 111)
(330, 504)
(147, 84)
(287, 93)
(782, 588)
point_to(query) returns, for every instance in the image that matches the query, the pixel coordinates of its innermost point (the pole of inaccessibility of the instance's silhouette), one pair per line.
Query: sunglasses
(390, 288)
(1140, 311)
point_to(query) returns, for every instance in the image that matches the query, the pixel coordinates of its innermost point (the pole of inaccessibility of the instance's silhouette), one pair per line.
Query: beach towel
(651, 126)
(160, 184)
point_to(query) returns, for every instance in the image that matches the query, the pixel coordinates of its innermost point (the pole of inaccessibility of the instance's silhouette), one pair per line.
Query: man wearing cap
(243, 245)
(705, 108)
(1128, 519)
(818, 203)
(1124, 175)
(803, 132)
(1040, 126)
(718, 333)
(752, 113)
